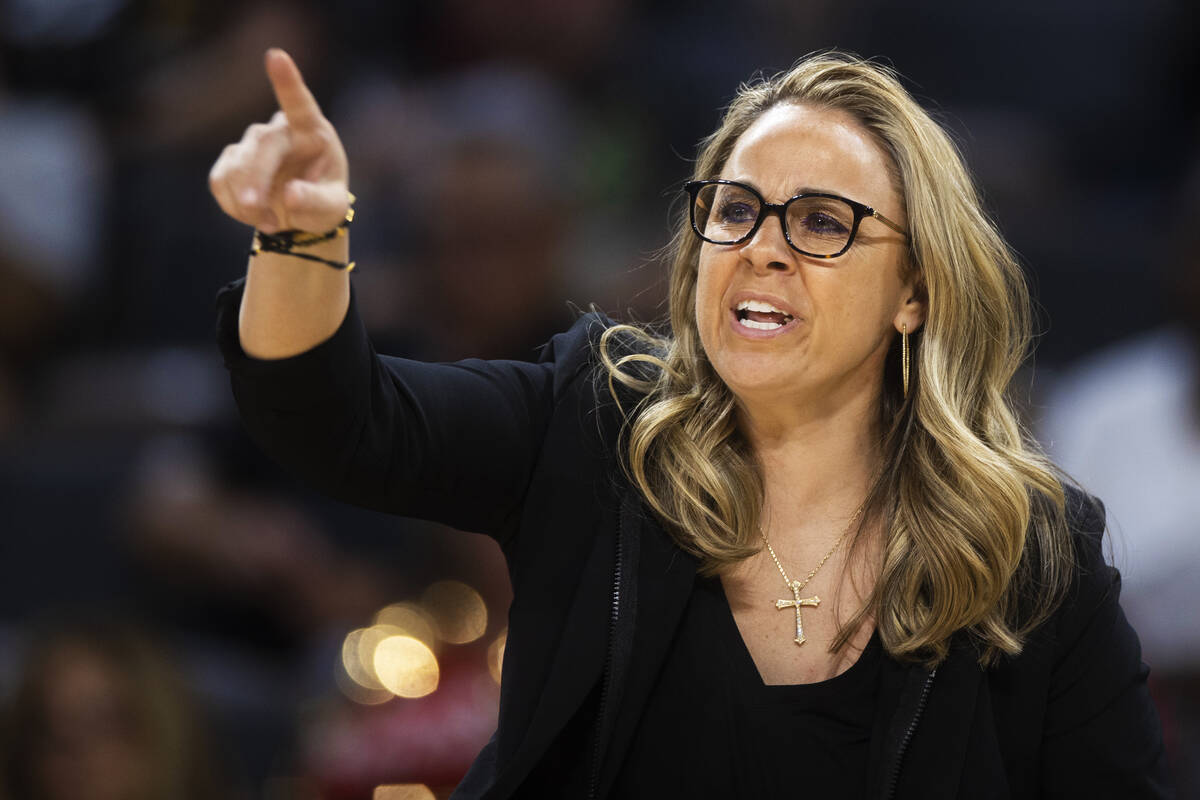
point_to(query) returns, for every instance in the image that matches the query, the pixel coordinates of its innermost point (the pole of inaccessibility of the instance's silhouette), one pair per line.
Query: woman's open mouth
(761, 316)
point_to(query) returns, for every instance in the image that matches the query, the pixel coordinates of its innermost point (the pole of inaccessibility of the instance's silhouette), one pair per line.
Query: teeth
(762, 326)
(759, 305)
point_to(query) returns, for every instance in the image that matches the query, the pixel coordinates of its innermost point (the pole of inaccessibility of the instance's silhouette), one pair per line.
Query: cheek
(708, 285)
(707, 302)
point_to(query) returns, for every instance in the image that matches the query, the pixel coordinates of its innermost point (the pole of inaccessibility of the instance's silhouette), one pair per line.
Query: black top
(529, 454)
(712, 728)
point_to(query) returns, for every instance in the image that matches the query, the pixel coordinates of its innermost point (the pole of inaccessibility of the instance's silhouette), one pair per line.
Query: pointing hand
(289, 173)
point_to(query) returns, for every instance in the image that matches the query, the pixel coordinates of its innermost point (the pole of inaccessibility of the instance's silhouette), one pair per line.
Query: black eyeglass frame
(860, 210)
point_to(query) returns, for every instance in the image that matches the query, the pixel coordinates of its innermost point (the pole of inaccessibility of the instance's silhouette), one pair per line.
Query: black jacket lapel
(663, 583)
(573, 672)
(923, 727)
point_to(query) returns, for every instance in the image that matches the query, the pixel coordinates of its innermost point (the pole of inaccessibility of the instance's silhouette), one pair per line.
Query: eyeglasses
(818, 225)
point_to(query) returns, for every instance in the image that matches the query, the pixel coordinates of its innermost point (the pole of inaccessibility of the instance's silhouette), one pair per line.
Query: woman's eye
(736, 212)
(820, 222)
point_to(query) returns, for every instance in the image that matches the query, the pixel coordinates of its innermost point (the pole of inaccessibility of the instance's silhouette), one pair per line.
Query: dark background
(507, 158)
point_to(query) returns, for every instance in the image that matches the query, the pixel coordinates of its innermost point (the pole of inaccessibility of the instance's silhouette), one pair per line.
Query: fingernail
(248, 197)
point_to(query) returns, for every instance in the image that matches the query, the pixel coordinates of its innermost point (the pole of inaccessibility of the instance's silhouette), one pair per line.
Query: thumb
(315, 207)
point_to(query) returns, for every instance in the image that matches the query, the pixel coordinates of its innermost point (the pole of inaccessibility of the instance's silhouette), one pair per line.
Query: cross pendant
(796, 603)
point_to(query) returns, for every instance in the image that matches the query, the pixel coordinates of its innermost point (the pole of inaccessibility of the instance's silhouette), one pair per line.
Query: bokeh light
(368, 642)
(408, 619)
(458, 612)
(406, 666)
(495, 655)
(356, 692)
(403, 791)
(358, 669)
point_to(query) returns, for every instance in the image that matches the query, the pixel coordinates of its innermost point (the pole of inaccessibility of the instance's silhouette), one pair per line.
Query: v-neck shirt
(713, 728)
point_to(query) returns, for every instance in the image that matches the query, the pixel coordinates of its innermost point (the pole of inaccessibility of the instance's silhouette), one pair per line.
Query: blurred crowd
(179, 619)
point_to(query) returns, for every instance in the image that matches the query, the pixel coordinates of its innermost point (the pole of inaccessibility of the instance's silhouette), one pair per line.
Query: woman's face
(843, 311)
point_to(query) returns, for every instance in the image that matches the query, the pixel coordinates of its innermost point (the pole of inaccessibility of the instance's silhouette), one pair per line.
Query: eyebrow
(797, 191)
(814, 190)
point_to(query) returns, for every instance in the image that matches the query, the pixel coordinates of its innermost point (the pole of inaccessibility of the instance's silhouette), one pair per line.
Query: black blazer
(526, 453)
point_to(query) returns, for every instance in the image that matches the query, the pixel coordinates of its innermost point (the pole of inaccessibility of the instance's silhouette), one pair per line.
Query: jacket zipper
(594, 780)
(908, 734)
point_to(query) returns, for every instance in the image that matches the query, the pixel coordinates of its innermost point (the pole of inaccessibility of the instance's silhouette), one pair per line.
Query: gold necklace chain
(801, 584)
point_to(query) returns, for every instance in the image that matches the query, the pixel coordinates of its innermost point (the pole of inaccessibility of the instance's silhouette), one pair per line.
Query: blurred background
(179, 619)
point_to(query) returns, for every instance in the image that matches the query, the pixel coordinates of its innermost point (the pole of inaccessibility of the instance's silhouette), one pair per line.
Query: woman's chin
(756, 388)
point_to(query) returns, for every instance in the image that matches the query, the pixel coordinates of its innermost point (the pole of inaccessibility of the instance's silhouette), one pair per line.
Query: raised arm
(456, 443)
(288, 174)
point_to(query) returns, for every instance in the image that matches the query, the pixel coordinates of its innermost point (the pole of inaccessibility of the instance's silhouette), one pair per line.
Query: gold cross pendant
(796, 603)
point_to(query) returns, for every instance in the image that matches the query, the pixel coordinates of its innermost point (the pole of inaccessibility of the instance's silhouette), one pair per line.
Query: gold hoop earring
(904, 363)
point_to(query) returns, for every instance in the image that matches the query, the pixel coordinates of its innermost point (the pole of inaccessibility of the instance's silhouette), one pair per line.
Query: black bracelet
(285, 242)
(264, 245)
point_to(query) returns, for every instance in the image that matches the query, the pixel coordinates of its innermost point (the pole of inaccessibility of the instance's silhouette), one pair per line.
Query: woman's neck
(820, 464)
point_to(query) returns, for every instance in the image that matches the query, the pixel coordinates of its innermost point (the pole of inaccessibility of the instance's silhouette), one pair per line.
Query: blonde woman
(800, 545)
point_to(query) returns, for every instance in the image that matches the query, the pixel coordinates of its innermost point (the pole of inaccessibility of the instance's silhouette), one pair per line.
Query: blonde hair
(973, 514)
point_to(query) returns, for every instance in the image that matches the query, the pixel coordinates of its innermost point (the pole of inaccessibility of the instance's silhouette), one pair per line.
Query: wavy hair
(972, 513)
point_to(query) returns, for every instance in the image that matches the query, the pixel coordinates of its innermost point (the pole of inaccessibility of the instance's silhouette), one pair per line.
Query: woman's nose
(768, 249)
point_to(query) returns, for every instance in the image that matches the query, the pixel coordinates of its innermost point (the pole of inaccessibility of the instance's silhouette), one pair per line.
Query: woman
(799, 545)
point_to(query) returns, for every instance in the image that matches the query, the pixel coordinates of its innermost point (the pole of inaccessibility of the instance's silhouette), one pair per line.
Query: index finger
(294, 98)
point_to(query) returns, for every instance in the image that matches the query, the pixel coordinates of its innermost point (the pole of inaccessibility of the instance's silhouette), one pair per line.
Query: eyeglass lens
(726, 214)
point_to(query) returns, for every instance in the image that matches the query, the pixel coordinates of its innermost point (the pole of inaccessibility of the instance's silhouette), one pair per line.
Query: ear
(914, 305)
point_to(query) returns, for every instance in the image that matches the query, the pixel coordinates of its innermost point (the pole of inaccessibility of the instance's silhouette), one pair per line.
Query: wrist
(308, 246)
